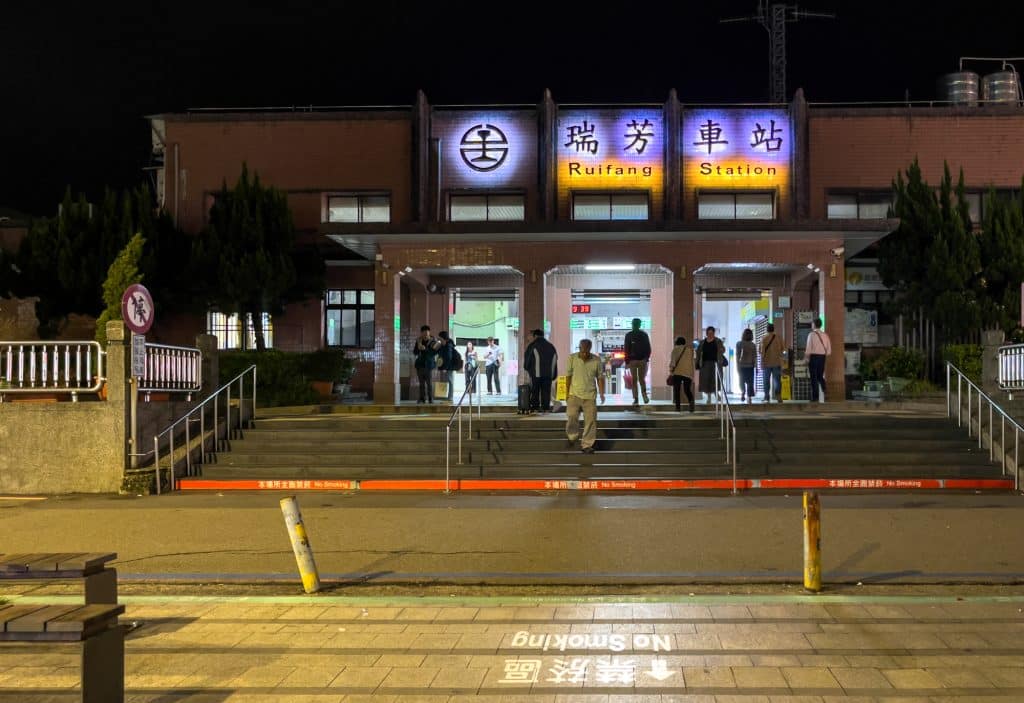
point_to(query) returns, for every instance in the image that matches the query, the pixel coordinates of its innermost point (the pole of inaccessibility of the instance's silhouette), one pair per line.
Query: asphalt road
(567, 538)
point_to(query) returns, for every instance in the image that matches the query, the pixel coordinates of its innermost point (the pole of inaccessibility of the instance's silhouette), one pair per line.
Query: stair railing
(457, 414)
(727, 424)
(188, 419)
(984, 401)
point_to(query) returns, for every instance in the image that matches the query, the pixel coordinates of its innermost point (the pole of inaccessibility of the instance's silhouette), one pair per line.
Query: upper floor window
(976, 201)
(610, 206)
(349, 320)
(859, 206)
(487, 207)
(359, 207)
(735, 206)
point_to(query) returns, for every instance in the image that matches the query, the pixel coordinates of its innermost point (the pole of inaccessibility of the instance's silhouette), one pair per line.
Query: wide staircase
(630, 446)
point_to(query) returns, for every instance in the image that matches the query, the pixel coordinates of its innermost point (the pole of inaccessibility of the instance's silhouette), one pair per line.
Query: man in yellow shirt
(585, 379)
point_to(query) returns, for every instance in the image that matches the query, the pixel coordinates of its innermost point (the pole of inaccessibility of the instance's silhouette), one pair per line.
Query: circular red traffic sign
(137, 308)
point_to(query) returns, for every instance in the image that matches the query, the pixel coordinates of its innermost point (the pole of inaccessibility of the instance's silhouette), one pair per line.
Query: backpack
(449, 358)
(456, 359)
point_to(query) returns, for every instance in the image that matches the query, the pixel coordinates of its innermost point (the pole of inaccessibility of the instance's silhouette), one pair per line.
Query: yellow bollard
(300, 544)
(812, 541)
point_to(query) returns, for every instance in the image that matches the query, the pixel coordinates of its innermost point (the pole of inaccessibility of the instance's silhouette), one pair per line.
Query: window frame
(611, 195)
(361, 196)
(229, 333)
(486, 195)
(358, 307)
(860, 198)
(734, 194)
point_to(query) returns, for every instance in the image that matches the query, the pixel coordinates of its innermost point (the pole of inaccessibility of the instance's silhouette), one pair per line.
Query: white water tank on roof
(960, 88)
(1001, 88)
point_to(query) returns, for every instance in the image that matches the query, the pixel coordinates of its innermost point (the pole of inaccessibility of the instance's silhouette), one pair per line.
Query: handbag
(440, 389)
(671, 380)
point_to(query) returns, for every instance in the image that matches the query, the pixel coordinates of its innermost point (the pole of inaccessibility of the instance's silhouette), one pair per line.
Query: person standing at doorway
(746, 360)
(541, 363)
(637, 346)
(425, 353)
(772, 346)
(447, 360)
(710, 355)
(819, 347)
(585, 380)
(492, 365)
(470, 366)
(681, 372)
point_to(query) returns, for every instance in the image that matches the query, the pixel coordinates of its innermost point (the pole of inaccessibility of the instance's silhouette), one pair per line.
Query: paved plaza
(697, 649)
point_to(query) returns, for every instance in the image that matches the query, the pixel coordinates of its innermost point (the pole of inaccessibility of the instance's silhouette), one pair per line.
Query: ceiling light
(810, 267)
(610, 267)
(816, 269)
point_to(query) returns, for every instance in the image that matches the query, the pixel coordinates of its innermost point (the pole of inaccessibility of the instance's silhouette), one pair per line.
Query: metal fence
(172, 369)
(51, 367)
(1011, 367)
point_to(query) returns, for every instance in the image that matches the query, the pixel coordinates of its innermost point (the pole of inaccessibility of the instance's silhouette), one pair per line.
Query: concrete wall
(69, 447)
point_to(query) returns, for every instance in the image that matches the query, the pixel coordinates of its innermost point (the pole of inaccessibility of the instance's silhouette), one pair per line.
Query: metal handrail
(172, 369)
(457, 413)
(993, 408)
(1011, 367)
(35, 367)
(723, 410)
(201, 409)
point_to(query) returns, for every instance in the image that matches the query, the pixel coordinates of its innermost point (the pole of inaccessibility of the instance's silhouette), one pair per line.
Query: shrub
(966, 357)
(899, 362)
(283, 378)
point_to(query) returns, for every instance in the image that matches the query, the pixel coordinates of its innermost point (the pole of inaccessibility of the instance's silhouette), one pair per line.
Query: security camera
(838, 251)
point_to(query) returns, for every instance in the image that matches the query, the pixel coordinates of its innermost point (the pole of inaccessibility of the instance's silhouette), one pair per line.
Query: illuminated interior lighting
(610, 267)
(810, 267)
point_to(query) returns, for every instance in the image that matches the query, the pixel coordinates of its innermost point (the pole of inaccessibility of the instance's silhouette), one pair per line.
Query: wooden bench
(100, 581)
(95, 626)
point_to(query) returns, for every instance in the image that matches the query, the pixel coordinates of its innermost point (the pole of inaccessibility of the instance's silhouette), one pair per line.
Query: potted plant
(327, 370)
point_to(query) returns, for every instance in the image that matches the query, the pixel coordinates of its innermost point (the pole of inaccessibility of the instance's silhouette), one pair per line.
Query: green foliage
(65, 259)
(1002, 251)
(920, 386)
(283, 378)
(933, 259)
(898, 362)
(966, 357)
(121, 274)
(245, 260)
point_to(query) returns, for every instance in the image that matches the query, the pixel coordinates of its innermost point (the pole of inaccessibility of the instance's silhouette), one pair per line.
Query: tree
(123, 272)
(933, 259)
(245, 260)
(65, 259)
(1002, 253)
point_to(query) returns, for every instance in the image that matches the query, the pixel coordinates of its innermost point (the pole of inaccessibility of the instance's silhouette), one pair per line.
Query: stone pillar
(386, 316)
(207, 346)
(991, 340)
(119, 388)
(531, 310)
(662, 338)
(684, 305)
(559, 312)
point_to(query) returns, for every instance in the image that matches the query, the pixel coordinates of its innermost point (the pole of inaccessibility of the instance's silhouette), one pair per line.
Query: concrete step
(253, 445)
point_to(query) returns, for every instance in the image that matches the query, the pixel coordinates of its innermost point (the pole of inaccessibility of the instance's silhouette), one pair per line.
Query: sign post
(137, 313)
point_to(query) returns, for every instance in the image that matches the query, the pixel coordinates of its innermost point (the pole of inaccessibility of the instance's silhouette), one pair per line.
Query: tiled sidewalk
(703, 649)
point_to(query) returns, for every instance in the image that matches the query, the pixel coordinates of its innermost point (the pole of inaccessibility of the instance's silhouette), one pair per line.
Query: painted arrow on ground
(659, 670)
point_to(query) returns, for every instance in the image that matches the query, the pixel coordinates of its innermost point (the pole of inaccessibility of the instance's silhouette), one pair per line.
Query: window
(359, 207)
(609, 206)
(228, 330)
(349, 321)
(976, 201)
(859, 206)
(487, 207)
(735, 206)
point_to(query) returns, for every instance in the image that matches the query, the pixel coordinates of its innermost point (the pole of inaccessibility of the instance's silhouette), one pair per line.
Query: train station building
(491, 221)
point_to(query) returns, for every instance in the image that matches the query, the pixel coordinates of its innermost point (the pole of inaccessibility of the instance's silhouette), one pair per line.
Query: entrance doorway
(476, 314)
(730, 313)
(604, 317)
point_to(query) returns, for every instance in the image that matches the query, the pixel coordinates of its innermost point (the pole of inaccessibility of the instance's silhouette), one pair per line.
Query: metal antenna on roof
(773, 17)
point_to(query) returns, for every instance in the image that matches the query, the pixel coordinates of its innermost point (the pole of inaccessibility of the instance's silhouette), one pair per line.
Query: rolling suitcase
(523, 396)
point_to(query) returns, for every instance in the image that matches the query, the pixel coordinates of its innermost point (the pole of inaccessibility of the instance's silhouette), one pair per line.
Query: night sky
(77, 82)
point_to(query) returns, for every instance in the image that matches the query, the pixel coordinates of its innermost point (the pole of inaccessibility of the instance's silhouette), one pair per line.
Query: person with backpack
(425, 353)
(448, 359)
(772, 346)
(746, 360)
(541, 363)
(637, 346)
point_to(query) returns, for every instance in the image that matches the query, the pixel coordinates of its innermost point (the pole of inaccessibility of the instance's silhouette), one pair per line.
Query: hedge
(283, 378)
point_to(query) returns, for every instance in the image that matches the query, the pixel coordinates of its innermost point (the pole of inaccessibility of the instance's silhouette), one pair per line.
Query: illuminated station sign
(736, 148)
(486, 149)
(611, 149)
